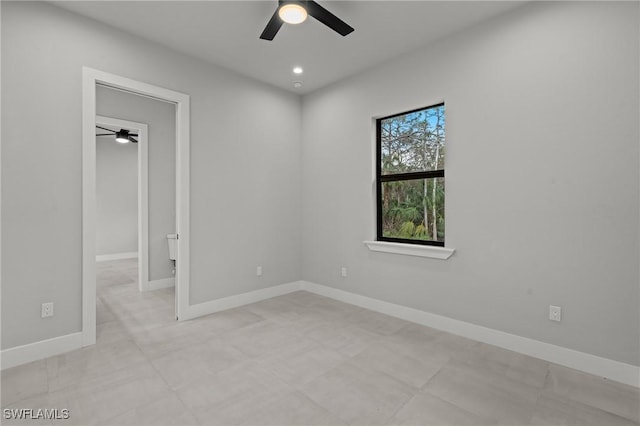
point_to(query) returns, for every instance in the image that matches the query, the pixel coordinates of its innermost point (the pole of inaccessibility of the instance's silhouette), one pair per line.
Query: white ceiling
(226, 33)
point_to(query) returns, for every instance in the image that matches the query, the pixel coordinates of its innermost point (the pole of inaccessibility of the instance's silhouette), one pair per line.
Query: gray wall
(245, 165)
(116, 197)
(160, 117)
(541, 175)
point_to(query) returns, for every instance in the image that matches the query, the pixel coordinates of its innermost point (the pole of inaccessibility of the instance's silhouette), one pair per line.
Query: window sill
(433, 252)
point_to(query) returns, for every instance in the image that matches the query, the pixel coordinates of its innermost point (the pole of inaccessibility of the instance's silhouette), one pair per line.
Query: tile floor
(298, 359)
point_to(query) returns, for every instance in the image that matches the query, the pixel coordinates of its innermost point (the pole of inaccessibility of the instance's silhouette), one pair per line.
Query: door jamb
(90, 78)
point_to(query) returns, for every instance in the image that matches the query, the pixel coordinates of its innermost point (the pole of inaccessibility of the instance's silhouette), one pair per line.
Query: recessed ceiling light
(297, 84)
(297, 70)
(292, 13)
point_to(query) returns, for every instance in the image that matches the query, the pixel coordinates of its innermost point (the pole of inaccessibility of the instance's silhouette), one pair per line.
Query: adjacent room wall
(245, 166)
(160, 117)
(541, 176)
(116, 197)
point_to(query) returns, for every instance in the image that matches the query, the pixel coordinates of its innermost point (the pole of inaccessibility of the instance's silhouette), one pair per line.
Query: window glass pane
(413, 142)
(413, 209)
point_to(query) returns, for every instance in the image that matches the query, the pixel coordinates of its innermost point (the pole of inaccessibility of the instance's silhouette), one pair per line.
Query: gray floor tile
(331, 310)
(111, 332)
(116, 277)
(90, 363)
(167, 411)
(616, 398)
(358, 396)
(181, 367)
(302, 364)
(158, 341)
(308, 326)
(260, 339)
(103, 313)
(144, 316)
(303, 298)
(428, 410)
(412, 371)
(347, 339)
(278, 310)
(294, 409)
(519, 367)
(377, 322)
(553, 410)
(24, 381)
(452, 344)
(93, 405)
(484, 393)
(35, 402)
(94, 401)
(233, 395)
(221, 322)
(420, 342)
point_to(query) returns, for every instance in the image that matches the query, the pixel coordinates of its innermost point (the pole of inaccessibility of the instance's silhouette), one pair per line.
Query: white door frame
(90, 78)
(143, 191)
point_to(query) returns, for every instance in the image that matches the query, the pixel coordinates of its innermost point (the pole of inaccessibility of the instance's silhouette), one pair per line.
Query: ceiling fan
(295, 12)
(122, 135)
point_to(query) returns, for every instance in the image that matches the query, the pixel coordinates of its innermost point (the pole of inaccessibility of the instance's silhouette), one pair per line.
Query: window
(410, 176)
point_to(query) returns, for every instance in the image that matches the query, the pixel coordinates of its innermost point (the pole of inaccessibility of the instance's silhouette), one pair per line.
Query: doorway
(122, 194)
(91, 79)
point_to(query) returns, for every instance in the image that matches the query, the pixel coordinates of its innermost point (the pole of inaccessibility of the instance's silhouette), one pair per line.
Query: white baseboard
(206, 308)
(157, 284)
(603, 367)
(43, 349)
(116, 256)
(39, 350)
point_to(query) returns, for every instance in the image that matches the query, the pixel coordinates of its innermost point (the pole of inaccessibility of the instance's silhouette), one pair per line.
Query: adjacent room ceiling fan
(122, 135)
(295, 12)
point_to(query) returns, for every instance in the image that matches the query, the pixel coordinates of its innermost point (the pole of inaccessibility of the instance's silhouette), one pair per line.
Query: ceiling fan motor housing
(302, 3)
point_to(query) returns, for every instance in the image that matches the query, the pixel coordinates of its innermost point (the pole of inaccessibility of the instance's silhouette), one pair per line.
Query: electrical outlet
(555, 313)
(47, 310)
(343, 271)
(259, 271)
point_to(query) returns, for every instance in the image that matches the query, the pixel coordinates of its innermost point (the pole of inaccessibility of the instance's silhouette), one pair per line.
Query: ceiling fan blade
(104, 128)
(132, 139)
(272, 27)
(328, 18)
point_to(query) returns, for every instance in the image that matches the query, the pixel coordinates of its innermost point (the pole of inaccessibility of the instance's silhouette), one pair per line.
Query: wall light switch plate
(343, 271)
(259, 271)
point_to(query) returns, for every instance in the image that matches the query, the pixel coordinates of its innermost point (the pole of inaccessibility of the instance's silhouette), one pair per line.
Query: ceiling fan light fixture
(292, 13)
(122, 136)
(296, 11)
